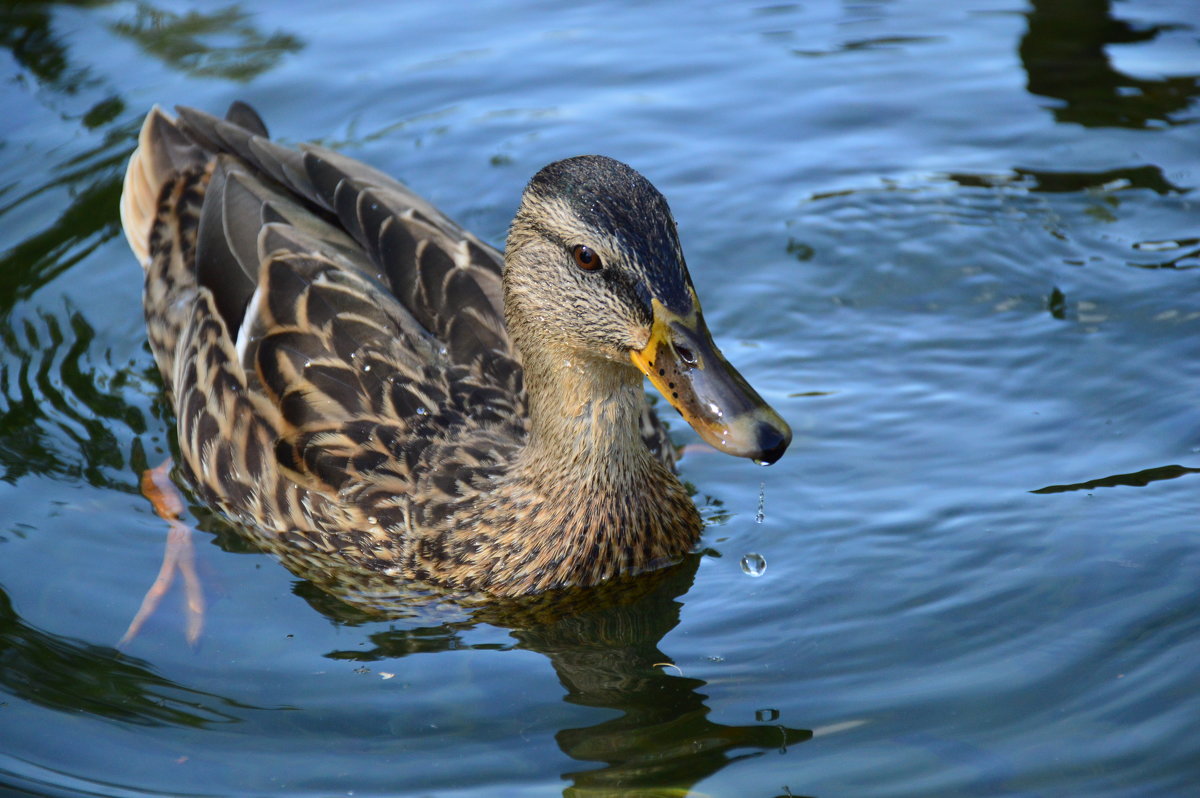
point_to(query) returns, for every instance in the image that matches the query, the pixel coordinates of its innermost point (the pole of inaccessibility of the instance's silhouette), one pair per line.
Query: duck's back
(324, 332)
(335, 349)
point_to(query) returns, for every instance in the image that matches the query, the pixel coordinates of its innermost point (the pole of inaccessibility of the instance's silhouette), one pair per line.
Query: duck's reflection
(80, 678)
(604, 646)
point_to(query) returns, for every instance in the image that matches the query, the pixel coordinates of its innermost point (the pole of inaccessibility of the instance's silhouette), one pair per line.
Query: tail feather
(162, 152)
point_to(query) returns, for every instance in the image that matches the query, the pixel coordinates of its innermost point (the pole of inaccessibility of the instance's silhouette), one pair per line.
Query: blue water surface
(954, 244)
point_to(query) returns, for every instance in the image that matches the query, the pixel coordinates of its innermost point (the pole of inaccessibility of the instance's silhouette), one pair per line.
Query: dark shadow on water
(1137, 479)
(1148, 177)
(1065, 58)
(604, 646)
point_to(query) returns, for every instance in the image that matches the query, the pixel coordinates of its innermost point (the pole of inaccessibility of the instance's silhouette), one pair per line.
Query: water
(954, 244)
(753, 565)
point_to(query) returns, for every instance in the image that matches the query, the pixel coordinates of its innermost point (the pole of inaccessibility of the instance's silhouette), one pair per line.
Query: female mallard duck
(355, 376)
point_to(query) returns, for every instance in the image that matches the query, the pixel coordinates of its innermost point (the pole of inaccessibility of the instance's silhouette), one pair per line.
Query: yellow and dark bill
(685, 365)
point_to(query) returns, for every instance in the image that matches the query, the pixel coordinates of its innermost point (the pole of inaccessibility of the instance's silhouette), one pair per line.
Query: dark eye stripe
(585, 258)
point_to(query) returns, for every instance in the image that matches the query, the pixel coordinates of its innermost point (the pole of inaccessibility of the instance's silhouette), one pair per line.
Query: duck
(357, 379)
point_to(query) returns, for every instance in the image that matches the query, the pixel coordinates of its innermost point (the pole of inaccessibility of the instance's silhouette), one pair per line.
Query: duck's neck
(585, 499)
(584, 422)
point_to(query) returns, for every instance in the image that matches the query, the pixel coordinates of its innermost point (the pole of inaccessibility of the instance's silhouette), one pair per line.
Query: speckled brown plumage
(356, 384)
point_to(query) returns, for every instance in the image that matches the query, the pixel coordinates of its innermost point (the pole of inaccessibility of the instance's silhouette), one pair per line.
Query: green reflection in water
(1064, 55)
(89, 219)
(198, 43)
(63, 412)
(26, 30)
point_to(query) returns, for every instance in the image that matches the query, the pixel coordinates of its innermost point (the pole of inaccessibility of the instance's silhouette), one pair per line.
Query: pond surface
(956, 245)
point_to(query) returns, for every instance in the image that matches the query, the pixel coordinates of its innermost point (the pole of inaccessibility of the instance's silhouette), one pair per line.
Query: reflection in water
(1147, 177)
(220, 43)
(88, 219)
(1063, 52)
(90, 181)
(26, 31)
(1138, 479)
(604, 646)
(62, 412)
(1106, 185)
(75, 677)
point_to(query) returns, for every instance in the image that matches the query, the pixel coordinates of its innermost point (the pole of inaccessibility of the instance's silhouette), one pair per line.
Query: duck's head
(594, 268)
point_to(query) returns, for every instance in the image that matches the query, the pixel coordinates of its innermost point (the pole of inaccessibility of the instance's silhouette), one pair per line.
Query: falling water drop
(753, 565)
(762, 495)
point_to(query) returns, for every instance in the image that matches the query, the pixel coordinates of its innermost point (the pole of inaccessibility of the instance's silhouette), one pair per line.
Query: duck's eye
(586, 258)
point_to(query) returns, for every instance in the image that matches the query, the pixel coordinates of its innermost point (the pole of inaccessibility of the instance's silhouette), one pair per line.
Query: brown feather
(347, 388)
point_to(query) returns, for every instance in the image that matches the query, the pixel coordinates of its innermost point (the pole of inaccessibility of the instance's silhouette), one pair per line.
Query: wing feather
(433, 266)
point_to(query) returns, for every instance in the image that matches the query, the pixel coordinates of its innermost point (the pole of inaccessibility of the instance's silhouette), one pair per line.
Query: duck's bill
(685, 365)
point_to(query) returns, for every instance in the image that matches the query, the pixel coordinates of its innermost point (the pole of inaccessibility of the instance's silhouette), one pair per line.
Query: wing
(448, 279)
(360, 327)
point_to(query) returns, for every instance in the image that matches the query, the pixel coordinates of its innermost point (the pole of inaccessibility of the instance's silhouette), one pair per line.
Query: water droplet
(753, 565)
(372, 520)
(422, 411)
(367, 367)
(766, 715)
(762, 495)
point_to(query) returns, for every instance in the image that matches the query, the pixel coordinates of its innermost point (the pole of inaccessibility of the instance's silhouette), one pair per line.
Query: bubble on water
(753, 565)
